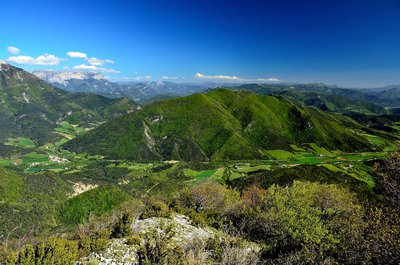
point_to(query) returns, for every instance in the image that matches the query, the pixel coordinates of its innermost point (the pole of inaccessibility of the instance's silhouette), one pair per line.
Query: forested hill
(31, 108)
(219, 125)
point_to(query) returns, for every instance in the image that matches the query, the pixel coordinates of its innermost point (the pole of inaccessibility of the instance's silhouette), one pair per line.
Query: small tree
(253, 196)
(123, 227)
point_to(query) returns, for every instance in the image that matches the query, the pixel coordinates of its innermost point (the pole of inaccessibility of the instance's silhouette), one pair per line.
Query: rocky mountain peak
(63, 77)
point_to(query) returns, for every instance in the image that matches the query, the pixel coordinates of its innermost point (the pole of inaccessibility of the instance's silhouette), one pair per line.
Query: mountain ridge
(218, 125)
(77, 81)
(31, 108)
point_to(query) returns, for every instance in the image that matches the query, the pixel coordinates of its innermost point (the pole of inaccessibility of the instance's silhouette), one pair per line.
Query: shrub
(155, 208)
(94, 241)
(133, 240)
(156, 248)
(311, 217)
(205, 196)
(123, 227)
(54, 251)
(253, 196)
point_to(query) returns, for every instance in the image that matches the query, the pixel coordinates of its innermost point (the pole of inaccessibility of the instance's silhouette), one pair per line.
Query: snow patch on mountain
(76, 81)
(63, 77)
(4, 65)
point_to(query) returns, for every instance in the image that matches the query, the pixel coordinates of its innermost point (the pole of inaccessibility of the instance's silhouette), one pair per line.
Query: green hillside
(31, 108)
(219, 125)
(324, 97)
(29, 201)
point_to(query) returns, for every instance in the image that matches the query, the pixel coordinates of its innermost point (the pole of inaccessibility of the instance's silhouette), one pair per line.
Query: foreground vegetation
(307, 214)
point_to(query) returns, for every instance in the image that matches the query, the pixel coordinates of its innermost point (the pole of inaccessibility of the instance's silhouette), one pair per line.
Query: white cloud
(221, 77)
(110, 71)
(98, 62)
(46, 59)
(94, 68)
(165, 77)
(77, 54)
(234, 78)
(91, 61)
(85, 67)
(27, 60)
(271, 79)
(143, 78)
(13, 50)
(95, 61)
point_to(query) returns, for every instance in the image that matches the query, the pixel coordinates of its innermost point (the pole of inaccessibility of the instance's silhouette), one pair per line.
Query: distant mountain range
(219, 125)
(31, 108)
(96, 83)
(387, 97)
(325, 97)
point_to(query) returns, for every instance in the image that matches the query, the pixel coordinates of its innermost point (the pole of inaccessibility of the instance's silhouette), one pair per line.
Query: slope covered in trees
(219, 125)
(31, 108)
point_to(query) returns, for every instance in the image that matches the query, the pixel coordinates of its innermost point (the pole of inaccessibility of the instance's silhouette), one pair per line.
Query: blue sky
(350, 43)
